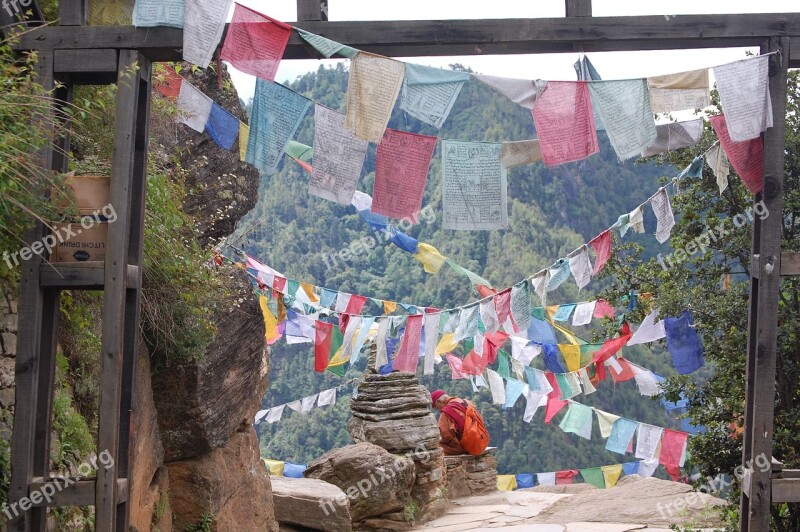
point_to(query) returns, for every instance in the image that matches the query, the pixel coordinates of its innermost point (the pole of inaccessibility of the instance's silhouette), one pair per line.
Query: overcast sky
(610, 65)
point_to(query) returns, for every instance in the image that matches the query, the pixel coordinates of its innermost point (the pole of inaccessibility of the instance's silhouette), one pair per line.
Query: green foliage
(552, 212)
(5, 462)
(75, 439)
(205, 524)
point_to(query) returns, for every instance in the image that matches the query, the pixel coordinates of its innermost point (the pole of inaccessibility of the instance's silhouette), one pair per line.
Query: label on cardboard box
(80, 244)
(89, 193)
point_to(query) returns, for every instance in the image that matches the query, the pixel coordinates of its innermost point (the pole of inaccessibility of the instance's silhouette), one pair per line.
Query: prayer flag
(744, 91)
(506, 482)
(514, 389)
(518, 153)
(322, 345)
(431, 333)
(521, 305)
(719, 164)
(169, 83)
(580, 266)
(621, 434)
(194, 107)
(558, 273)
(554, 403)
(663, 211)
(204, 22)
(401, 169)
(683, 343)
(605, 421)
(577, 419)
(244, 136)
(649, 330)
(255, 43)
(572, 356)
(456, 371)
(673, 448)
(371, 93)
(645, 381)
(611, 474)
(222, 126)
(625, 109)
(674, 136)
(338, 157)
(473, 186)
(496, 387)
(325, 46)
(603, 309)
(546, 479)
(594, 476)
(583, 313)
(566, 477)
(274, 118)
(565, 122)
(675, 92)
(647, 441)
(150, 13)
(533, 400)
(602, 248)
(523, 92)
(429, 93)
(746, 157)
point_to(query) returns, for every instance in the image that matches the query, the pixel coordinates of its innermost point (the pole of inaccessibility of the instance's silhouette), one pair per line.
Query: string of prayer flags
(747, 157)
(621, 435)
(521, 152)
(275, 116)
(744, 91)
(194, 107)
(523, 92)
(611, 474)
(719, 164)
(684, 343)
(647, 441)
(204, 22)
(150, 13)
(474, 186)
(676, 92)
(565, 123)
(372, 90)
(580, 266)
(401, 169)
(625, 109)
(428, 93)
(222, 126)
(338, 157)
(674, 136)
(664, 216)
(602, 249)
(255, 43)
(326, 47)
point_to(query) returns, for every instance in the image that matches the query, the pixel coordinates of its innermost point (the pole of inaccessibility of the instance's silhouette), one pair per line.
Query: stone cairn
(392, 411)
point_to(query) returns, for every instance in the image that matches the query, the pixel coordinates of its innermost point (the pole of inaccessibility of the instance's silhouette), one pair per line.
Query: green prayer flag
(593, 476)
(503, 364)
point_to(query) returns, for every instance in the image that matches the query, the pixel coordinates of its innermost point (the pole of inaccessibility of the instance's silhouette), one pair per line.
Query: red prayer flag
(746, 157)
(401, 169)
(672, 445)
(255, 43)
(322, 345)
(566, 477)
(491, 343)
(599, 372)
(304, 165)
(554, 404)
(485, 291)
(611, 347)
(674, 472)
(408, 353)
(625, 375)
(565, 122)
(473, 363)
(279, 284)
(502, 305)
(455, 367)
(603, 309)
(170, 87)
(602, 249)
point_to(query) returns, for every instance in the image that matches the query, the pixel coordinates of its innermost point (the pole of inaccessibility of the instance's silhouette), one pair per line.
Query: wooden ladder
(120, 279)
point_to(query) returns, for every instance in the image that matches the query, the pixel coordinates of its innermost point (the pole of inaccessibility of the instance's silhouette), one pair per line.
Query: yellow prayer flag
(551, 311)
(270, 321)
(571, 338)
(244, 136)
(338, 358)
(309, 290)
(611, 474)
(275, 467)
(572, 356)
(389, 307)
(446, 344)
(507, 482)
(432, 261)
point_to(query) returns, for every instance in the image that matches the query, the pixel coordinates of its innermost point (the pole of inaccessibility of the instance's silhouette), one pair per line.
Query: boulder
(230, 483)
(203, 401)
(311, 504)
(396, 435)
(471, 475)
(376, 481)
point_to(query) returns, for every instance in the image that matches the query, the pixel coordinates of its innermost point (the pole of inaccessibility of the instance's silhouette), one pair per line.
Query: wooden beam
(579, 8)
(70, 492)
(86, 61)
(73, 12)
(463, 37)
(786, 490)
(312, 10)
(762, 336)
(790, 265)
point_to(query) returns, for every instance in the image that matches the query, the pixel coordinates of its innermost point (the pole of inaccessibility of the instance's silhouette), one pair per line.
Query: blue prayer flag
(222, 126)
(684, 344)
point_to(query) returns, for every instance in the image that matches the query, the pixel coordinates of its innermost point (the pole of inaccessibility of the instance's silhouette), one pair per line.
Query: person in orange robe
(451, 421)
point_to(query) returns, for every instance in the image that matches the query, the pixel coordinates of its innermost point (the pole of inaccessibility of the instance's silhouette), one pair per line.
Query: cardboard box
(90, 194)
(80, 244)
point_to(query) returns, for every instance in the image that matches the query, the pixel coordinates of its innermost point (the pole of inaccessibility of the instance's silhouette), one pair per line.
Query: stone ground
(634, 504)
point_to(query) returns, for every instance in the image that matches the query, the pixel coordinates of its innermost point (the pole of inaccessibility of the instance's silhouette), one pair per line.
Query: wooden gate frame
(74, 53)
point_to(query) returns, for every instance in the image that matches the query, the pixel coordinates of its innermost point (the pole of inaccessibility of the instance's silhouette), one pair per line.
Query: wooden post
(312, 10)
(73, 12)
(763, 314)
(579, 8)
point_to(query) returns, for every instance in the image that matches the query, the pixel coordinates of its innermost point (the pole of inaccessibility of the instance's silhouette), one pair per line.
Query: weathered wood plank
(790, 264)
(86, 61)
(115, 287)
(579, 8)
(69, 492)
(78, 275)
(763, 316)
(312, 10)
(786, 490)
(73, 12)
(464, 37)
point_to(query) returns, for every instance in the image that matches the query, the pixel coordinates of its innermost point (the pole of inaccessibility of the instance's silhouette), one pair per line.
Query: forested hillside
(551, 212)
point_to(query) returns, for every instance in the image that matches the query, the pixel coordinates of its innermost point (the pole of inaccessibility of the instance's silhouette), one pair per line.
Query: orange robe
(450, 435)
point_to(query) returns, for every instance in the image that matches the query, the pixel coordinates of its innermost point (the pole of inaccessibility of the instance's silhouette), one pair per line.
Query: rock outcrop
(392, 411)
(471, 475)
(311, 504)
(376, 481)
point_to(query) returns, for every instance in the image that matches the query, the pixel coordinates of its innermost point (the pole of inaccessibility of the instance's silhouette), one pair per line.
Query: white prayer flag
(274, 414)
(583, 313)
(649, 330)
(744, 91)
(718, 162)
(523, 92)
(204, 22)
(663, 211)
(647, 441)
(327, 397)
(496, 386)
(194, 107)
(581, 266)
